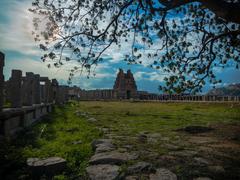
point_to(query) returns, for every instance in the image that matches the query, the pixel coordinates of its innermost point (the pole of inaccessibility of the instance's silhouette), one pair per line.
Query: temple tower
(125, 85)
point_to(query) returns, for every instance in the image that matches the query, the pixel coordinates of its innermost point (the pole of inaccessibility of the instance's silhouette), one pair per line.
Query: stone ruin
(1, 79)
(29, 97)
(25, 99)
(125, 88)
(125, 85)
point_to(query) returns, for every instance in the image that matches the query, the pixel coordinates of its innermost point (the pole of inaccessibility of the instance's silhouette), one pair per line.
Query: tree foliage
(187, 39)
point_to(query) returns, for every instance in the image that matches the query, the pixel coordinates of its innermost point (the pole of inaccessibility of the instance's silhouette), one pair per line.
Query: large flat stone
(103, 172)
(163, 174)
(103, 145)
(140, 167)
(106, 147)
(97, 142)
(113, 157)
(49, 166)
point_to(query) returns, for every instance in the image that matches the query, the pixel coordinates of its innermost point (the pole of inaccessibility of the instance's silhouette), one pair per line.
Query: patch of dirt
(226, 145)
(196, 129)
(203, 140)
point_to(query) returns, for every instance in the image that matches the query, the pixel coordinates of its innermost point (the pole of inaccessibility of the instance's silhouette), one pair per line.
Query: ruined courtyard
(119, 90)
(133, 140)
(51, 131)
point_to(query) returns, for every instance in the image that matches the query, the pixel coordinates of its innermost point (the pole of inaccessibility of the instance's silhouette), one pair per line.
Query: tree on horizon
(186, 39)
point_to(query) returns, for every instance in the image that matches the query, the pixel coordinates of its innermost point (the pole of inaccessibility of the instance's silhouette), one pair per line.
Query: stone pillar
(36, 89)
(54, 90)
(15, 89)
(28, 89)
(45, 89)
(1, 79)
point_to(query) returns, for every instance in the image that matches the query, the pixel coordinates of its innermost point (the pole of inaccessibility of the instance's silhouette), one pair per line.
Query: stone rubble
(163, 174)
(48, 166)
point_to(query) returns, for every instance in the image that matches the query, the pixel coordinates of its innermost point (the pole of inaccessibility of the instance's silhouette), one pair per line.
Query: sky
(22, 52)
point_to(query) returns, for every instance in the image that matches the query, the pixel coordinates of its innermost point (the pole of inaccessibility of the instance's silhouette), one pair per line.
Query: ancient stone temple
(125, 85)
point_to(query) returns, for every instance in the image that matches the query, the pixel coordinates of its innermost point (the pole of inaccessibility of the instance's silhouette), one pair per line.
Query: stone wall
(178, 97)
(27, 99)
(99, 94)
(13, 120)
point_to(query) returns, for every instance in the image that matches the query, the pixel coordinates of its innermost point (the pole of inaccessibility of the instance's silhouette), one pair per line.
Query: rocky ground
(128, 140)
(198, 153)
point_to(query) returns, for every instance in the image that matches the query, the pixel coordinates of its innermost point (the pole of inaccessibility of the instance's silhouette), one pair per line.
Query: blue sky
(22, 53)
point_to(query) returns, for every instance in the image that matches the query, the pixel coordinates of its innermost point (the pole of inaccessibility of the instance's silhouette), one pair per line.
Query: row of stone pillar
(97, 94)
(188, 98)
(29, 90)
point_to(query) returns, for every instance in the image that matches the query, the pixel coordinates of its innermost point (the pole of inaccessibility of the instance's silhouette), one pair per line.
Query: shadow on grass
(12, 160)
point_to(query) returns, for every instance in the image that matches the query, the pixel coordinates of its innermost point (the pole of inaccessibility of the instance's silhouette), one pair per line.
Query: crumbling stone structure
(125, 85)
(26, 99)
(1, 79)
(15, 89)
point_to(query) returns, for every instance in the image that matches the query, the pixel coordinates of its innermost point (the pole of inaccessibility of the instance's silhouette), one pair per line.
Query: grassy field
(60, 134)
(125, 123)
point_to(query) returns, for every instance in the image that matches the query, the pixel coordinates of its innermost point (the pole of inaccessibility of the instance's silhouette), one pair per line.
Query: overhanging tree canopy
(184, 38)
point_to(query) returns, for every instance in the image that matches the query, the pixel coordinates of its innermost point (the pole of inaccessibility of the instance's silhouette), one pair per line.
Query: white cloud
(37, 67)
(150, 76)
(15, 34)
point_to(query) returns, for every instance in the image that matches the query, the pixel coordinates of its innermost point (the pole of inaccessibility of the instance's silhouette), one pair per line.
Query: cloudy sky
(22, 53)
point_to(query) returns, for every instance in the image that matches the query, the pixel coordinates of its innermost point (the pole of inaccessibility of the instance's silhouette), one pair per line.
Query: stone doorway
(128, 94)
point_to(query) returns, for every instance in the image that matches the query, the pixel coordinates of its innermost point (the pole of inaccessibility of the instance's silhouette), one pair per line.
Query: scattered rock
(140, 167)
(112, 157)
(171, 147)
(77, 142)
(128, 147)
(168, 161)
(201, 161)
(163, 174)
(202, 140)
(196, 129)
(103, 172)
(144, 132)
(155, 135)
(142, 137)
(105, 147)
(131, 178)
(168, 158)
(202, 178)
(105, 130)
(165, 139)
(49, 166)
(98, 142)
(92, 120)
(184, 153)
(216, 169)
(122, 150)
(77, 113)
(154, 138)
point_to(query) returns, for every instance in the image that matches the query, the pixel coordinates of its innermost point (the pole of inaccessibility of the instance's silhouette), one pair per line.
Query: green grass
(131, 118)
(128, 119)
(55, 134)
